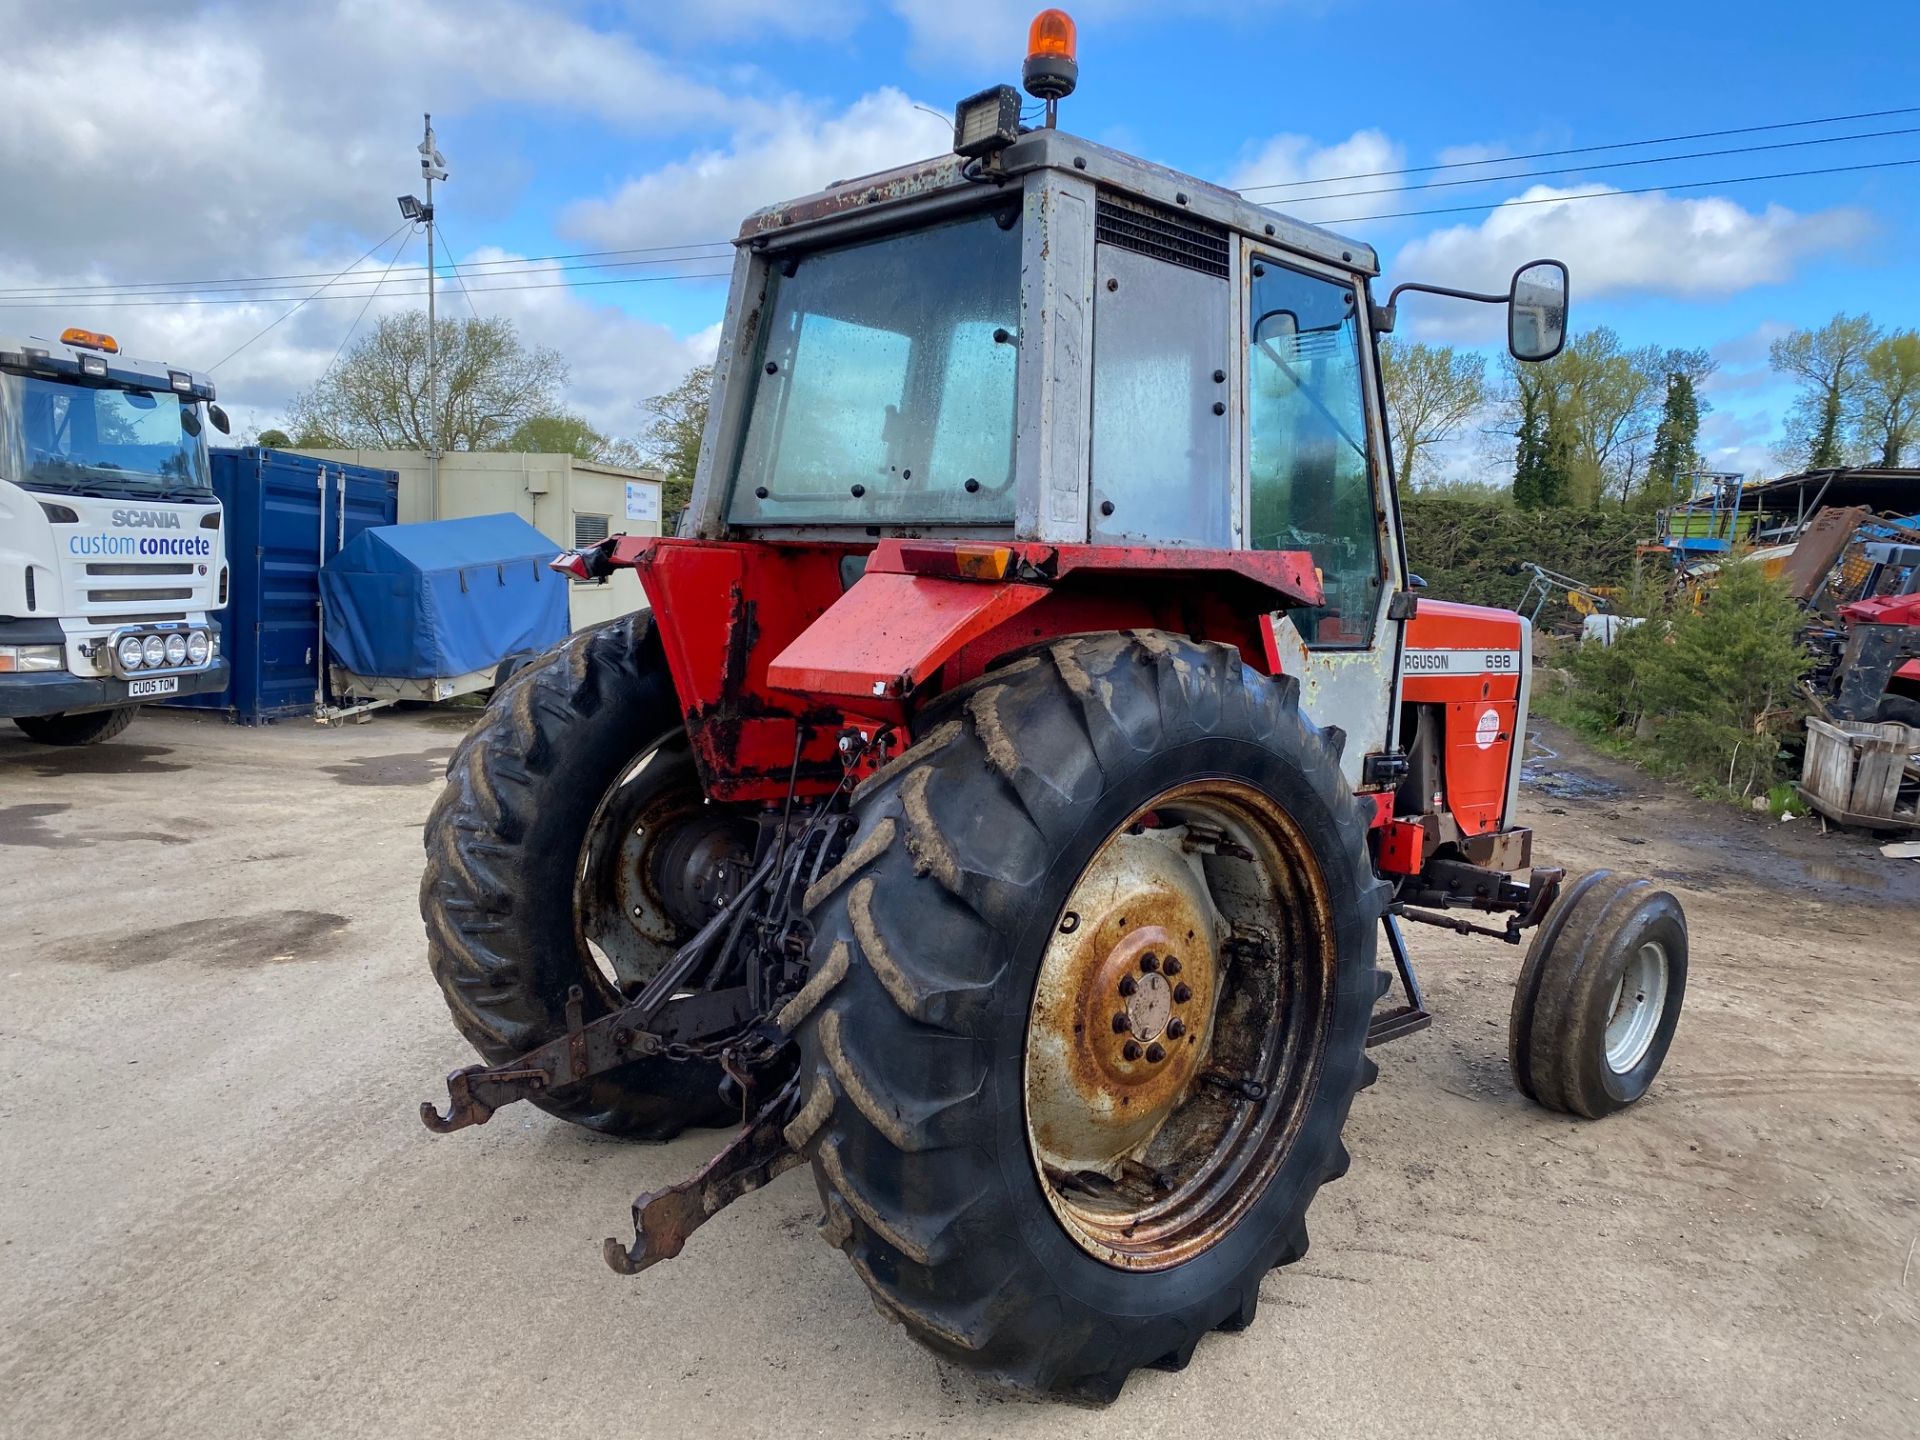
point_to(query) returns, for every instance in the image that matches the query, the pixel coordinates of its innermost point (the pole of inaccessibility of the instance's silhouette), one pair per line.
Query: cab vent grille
(1164, 234)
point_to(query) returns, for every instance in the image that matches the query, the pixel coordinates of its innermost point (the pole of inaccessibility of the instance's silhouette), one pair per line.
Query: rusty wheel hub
(1125, 1004)
(1162, 992)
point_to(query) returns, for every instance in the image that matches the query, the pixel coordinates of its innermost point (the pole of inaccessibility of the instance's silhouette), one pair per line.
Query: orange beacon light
(1051, 71)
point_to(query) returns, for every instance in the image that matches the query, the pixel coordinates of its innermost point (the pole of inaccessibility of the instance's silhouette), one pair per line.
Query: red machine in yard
(1033, 733)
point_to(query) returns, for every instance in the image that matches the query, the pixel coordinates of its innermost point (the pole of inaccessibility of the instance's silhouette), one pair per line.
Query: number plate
(159, 685)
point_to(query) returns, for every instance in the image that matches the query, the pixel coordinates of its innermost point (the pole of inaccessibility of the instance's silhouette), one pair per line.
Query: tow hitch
(663, 1219)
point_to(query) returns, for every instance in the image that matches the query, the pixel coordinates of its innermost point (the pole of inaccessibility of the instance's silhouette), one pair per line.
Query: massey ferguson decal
(1461, 662)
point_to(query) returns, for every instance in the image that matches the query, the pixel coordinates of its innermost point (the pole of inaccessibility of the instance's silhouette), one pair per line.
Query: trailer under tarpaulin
(428, 611)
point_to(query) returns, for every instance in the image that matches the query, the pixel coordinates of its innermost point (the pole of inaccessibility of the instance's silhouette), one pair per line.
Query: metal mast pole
(433, 338)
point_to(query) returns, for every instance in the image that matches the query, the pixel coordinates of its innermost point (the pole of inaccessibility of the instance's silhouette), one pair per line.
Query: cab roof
(34, 354)
(1057, 150)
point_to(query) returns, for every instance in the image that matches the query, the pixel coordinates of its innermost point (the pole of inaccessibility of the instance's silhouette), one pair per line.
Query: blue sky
(275, 136)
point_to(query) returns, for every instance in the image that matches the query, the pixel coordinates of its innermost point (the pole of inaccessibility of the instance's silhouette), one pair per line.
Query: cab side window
(1310, 484)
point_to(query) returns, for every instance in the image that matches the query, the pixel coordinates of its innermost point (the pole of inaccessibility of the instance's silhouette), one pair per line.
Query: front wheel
(1089, 1006)
(89, 727)
(1599, 997)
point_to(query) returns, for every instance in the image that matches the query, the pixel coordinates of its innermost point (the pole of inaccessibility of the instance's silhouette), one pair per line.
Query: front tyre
(1089, 1005)
(89, 727)
(1599, 996)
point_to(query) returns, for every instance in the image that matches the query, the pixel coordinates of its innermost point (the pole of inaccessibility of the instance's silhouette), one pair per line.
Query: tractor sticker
(1461, 662)
(1488, 730)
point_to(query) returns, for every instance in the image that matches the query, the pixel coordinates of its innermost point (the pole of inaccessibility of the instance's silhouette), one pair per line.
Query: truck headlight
(132, 654)
(176, 649)
(198, 647)
(153, 650)
(31, 659)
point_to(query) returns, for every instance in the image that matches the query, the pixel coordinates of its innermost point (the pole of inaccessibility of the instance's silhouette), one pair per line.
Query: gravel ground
(220, 1215)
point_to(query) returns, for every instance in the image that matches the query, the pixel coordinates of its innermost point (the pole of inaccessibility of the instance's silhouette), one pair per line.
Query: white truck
(112, 559)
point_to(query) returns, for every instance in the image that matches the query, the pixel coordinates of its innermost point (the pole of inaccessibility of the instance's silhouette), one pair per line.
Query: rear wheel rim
(622, 926)
(1176, 1035)
(1639, 1000)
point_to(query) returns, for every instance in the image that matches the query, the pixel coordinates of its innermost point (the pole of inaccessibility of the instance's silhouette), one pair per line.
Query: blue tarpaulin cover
(442, 597)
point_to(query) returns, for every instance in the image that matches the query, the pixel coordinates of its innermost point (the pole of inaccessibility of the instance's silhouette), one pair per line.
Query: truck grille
(1168, 235)
(111, 597)
(160, 567)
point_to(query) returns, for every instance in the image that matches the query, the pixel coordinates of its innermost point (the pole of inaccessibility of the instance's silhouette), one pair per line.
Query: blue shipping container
(286, 515)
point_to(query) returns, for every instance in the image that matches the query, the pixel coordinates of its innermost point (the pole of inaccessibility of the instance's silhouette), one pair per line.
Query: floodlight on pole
(433, 166)
(412, 209)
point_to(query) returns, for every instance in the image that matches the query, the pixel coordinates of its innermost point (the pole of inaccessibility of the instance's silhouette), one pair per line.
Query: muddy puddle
(1545, 771)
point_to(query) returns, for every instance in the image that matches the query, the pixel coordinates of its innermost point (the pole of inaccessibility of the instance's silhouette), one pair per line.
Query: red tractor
(1034, 730)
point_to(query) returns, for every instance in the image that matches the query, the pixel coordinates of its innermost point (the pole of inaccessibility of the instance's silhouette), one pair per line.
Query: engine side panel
(1473, 663)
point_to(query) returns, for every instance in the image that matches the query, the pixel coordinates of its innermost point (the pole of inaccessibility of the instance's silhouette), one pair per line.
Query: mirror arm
(1445, 290)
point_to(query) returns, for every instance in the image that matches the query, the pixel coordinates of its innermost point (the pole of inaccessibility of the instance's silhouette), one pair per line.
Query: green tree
(379, 397)
(1727, 685)
(1600, 403)
(1888, 418)
(1675, 442)
(564, 434)
(273, 439)
(1830, 364)
(1431, 390)
(672, 438)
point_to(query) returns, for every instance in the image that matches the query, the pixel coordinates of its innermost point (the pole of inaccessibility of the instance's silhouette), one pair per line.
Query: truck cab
(112, 561)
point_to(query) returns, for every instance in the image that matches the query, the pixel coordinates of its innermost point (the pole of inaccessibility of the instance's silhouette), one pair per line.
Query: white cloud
(194, 141)
(1694, 249)
(1306, 172)
(707, 195)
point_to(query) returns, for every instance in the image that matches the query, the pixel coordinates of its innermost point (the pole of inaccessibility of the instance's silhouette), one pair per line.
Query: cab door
(1316, 479)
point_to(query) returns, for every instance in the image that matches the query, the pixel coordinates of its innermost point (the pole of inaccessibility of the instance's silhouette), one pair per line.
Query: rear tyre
(1114, 826)
(1599, 997)
(578, 746)
(87, 728)
(1901, 709)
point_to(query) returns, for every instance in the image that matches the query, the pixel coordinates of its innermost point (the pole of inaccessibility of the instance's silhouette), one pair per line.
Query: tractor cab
(1039, 339)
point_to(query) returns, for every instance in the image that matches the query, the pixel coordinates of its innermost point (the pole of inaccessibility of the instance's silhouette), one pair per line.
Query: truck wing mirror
(219, 418)
(1536, 302)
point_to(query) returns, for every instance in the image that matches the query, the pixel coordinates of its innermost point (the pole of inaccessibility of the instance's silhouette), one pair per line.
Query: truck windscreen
(56, 435)
(884, 390)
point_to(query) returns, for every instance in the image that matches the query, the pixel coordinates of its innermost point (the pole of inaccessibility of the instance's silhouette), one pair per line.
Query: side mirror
(219, 418)
(1537, 311)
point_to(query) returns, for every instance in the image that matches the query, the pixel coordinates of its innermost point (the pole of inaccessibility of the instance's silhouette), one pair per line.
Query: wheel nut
(1131, 1050)
(1176, 1028)
(1172, 966)
(1127, 985)
(1183, 992)
(1156, 1052)
(1149, 962)
(1122, 1022)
